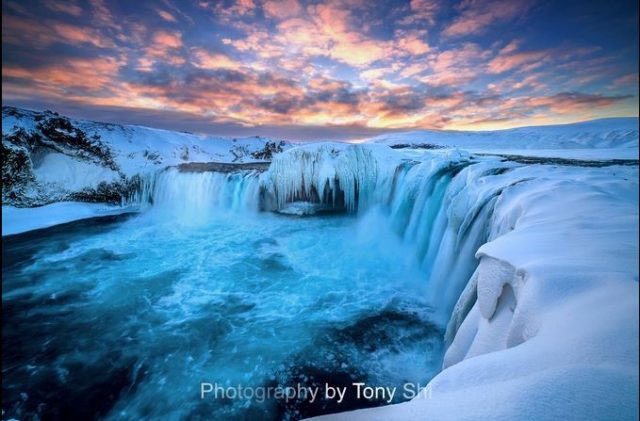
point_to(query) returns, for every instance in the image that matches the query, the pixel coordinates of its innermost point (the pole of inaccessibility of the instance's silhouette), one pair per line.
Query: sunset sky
(323, 68)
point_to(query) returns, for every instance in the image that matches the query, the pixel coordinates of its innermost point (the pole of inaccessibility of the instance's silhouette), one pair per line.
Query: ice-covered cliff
(50, 158)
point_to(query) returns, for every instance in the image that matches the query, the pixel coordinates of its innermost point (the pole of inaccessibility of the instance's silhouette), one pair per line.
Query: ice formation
(547, 326)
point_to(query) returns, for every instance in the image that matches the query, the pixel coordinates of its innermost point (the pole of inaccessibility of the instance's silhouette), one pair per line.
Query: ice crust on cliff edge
(552, 330)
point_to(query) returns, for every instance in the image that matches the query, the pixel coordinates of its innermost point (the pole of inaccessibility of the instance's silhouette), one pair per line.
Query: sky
(325, 68)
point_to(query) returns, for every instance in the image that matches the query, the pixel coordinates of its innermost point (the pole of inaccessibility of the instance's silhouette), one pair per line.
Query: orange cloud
(168, 39)
(207, 60)
(501, 64)
(89, 74)
(78, 35)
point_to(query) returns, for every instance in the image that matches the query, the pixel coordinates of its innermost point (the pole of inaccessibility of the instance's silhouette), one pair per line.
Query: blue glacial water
(124, 317)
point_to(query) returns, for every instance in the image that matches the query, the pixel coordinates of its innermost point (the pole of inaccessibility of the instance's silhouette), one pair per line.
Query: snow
(20, 220)
(139, 149)
(600, 134)
(327, 169)
(553, 331)
(67, 173)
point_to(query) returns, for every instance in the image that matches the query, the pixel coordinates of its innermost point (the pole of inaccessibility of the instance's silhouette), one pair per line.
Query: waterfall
(196, 197)
(440, 206)
(336, 175)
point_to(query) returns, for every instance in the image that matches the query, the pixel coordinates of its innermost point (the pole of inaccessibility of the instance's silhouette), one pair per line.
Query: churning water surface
(123, 318)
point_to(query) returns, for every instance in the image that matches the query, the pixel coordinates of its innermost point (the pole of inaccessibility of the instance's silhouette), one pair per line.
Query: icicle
(336, 175)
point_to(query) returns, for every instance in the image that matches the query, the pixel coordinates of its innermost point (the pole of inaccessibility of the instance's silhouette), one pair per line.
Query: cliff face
(49, 158)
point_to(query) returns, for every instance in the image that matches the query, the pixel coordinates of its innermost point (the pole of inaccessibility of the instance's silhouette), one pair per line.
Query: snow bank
(603, 134)
(550, 316)
(19, 220)
(139, 149)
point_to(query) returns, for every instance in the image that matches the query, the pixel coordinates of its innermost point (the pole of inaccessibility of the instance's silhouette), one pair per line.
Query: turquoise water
(124, 318)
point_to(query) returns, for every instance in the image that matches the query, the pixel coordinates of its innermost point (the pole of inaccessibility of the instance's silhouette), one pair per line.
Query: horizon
(331, 70)
(321, 139)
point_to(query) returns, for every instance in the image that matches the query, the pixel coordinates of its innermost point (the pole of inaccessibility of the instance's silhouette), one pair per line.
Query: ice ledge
(548, 325)
(20, 220)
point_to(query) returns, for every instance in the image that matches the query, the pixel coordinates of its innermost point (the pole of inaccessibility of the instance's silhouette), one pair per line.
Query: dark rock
(270, 148)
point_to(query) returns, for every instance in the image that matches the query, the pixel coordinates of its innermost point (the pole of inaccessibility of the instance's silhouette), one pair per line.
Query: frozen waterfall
(440, 207)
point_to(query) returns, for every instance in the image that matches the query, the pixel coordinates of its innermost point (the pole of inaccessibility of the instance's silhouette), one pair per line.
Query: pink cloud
(422, 11)
(166, 15)
(168, 39)
(207, 60)
(413, 43)
(281, 9)
(504, 63)
(630, 79)
(79, 35)
(67, 7)
(477, 15)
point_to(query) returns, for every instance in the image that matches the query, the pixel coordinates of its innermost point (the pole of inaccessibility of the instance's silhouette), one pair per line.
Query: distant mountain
(602, 133)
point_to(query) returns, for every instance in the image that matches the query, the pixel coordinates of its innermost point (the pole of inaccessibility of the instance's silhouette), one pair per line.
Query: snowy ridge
(548, 323)
(51, 158)
(610, 133)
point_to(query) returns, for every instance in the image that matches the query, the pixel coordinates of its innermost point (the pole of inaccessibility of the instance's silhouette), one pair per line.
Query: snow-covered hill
(50, 158)
(613, 135)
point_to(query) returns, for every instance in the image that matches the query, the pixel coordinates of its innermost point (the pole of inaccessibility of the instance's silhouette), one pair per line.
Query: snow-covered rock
(49, 158)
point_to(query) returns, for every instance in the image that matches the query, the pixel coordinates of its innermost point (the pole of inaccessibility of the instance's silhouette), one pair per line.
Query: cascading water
(202, 286)
(437, 207)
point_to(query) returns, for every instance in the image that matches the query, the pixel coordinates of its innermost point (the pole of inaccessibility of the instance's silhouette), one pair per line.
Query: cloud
(67, 7)
(421, 11)
(570, 102)
(456, 66)
(208, 60)
(281, 9)
(504, 63)
(630, 79)
(169, 39)
(166, 15)
(301, 63)
(81, 35)
(24, 32)
(476, 16)
(89, 75)
(413, 42)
